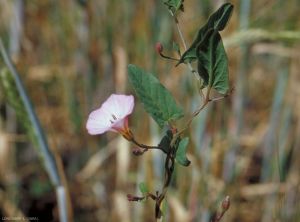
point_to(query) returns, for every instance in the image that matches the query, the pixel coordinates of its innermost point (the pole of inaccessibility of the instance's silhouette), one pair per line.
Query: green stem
(189, 65)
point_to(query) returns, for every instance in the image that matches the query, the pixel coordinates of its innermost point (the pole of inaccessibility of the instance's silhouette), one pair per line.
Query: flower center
(114, 119)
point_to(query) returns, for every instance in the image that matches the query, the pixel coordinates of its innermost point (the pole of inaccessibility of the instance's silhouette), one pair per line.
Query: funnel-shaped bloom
(112, 116)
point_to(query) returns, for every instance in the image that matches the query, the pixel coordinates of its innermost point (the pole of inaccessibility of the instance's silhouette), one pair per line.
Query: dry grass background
(72, 54)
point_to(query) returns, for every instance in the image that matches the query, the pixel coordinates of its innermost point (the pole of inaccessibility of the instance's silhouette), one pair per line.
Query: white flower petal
(98, 122)
(119, 105)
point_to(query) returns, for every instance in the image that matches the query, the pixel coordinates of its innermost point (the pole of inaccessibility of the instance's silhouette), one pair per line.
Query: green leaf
(181, 152)
(220, 18)
(143, 188)
(174, 5)
(217, 21)
(213, 63)
(157, 100)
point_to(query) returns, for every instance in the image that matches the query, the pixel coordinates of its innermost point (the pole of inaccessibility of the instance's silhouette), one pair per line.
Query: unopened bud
(134, 198)
(137, 151)
(159, 48)
(226, 203)
(131, 197)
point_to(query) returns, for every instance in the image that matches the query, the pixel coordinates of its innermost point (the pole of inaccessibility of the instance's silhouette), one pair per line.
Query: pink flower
(159, 47)
(112, 116)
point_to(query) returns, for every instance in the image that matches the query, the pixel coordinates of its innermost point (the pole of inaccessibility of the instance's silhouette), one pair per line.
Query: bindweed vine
(208, 52)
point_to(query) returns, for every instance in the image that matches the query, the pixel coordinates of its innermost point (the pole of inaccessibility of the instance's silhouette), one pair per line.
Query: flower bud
(159, 47)
(137, 151)
(226, 203)
(131, 197)
(134, 198)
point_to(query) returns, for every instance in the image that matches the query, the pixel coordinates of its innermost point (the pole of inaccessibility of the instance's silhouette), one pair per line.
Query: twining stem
(204, 104)
(195, 113)
(180, 34)
(169, 168)
(189, 65)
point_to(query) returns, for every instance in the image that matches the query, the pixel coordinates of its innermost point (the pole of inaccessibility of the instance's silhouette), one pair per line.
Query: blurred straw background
(71, 55)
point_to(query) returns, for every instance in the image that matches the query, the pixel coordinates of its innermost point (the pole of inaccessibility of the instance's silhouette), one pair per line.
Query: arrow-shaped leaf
(213, 63)
(216, 21)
